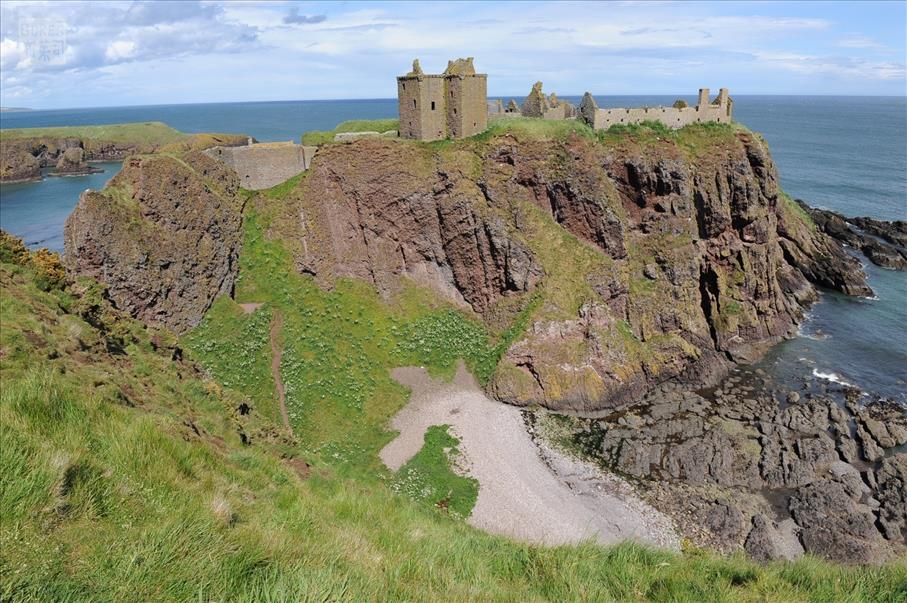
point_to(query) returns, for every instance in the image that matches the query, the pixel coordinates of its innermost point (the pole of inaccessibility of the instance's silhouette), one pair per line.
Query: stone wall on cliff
(264, 165)
(675, 117)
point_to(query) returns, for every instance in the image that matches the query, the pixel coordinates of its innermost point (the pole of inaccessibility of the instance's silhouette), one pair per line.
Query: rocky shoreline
(883, 243)
(753, 466)
(21, 160)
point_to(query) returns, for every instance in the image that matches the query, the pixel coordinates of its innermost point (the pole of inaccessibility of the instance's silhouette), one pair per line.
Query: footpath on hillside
(276, 355)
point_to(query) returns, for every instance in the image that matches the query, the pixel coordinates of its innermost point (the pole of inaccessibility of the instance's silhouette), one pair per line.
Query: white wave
(816, 335)
(832, 377)
(871, 298)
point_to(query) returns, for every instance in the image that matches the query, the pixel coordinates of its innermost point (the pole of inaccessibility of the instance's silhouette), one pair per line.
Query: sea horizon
(516, 96)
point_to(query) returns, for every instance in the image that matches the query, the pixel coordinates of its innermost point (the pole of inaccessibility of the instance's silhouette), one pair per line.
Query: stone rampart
(265, 165)
(351, 136)
(720, 111)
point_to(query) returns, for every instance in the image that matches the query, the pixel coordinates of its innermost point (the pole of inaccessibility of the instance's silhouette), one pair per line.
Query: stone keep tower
(453, 104)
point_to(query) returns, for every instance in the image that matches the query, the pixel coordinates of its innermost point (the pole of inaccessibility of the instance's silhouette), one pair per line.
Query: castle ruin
(545, 107)
(678, 116)
(453, 104)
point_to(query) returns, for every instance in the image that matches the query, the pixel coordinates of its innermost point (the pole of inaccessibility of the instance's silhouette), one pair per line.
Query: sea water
(848, 154)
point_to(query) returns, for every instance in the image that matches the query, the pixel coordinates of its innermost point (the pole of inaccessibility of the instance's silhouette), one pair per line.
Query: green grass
(127, 476)
(533, 128)
(694, 139)
(797, 210)
(319, 137)
(429, 478)
(280, 191)
(153, 133)
(368, 125)
(339, 347)
(238, 353)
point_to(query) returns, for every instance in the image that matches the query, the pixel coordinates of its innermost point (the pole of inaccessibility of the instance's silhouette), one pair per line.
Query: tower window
(432, 105)
(414, 103)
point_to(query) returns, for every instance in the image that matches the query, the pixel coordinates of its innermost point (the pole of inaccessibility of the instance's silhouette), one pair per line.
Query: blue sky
(83, 54)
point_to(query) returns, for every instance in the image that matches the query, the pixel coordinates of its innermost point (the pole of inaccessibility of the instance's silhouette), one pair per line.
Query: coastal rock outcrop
(738, 470)
(72, 163)
(884, 243)
(164, 236)
(696, 274)
(22, 156)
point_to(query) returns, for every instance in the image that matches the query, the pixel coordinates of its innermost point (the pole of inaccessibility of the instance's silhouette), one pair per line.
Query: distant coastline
(13, 109)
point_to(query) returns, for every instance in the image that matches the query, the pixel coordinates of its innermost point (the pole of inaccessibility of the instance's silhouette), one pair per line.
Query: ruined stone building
(720, 110)
(546, 107)
(453, 104)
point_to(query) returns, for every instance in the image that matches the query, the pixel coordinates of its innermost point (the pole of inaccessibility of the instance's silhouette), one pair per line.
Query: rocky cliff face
(377, 211)
(652, 262)
(649, 259)
(164, 235)
(72, 163)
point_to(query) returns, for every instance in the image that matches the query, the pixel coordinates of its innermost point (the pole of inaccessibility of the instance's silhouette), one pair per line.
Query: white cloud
(325, 50)
(12, 53)
(120, 50)
(845, 67)
(864, 42)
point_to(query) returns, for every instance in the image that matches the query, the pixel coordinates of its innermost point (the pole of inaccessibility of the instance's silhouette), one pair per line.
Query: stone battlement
(264, 165)
(720, 111)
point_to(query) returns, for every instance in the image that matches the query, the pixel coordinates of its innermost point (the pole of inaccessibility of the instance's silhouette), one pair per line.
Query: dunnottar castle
(454, 104)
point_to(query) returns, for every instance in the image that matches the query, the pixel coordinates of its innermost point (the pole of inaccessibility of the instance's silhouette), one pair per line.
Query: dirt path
(276, 355)
(527, 490)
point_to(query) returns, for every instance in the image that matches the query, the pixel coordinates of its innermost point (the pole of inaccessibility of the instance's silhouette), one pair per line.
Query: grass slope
(128, 476)
(339, 347)
(428, 476)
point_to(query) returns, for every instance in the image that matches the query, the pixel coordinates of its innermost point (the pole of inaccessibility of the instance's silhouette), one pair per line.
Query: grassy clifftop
(316, 137)
(152, 133)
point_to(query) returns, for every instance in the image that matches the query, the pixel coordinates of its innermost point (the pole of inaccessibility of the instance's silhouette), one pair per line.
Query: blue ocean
(848, 154)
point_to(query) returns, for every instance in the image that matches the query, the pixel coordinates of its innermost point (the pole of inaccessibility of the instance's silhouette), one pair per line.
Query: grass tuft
(428, 476)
